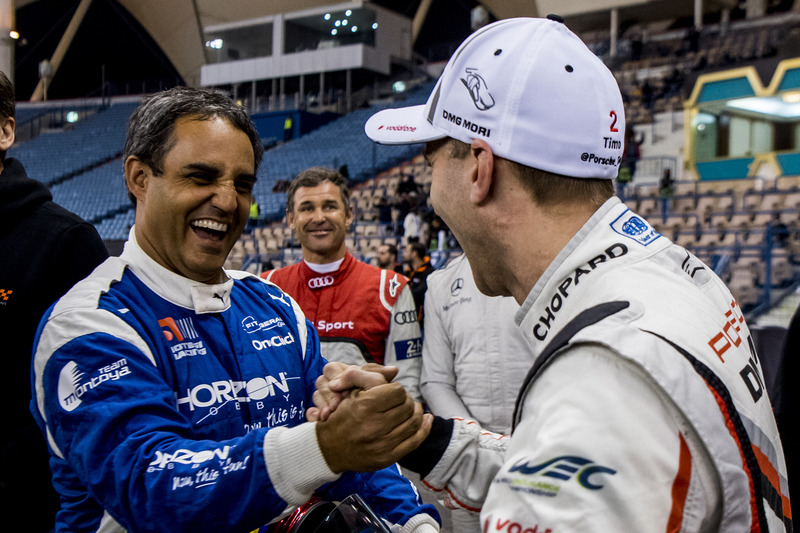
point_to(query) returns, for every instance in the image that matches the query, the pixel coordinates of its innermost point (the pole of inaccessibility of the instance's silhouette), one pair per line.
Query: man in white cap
(645, 408)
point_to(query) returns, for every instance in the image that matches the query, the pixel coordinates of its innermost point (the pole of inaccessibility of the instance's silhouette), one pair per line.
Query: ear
(136, 176)
(483, 172)
(7, 134)
(290, 219)
(350, 216)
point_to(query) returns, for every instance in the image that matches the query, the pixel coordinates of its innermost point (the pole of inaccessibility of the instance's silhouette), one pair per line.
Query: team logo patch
(320, 282)
(634, 227)
(548, 478)
(408, 349)
(184, 338)
(456, 286)
(394, 284)
(478, 90)
(405, 317)
(73, 383)
(177, 329)
(251, 325)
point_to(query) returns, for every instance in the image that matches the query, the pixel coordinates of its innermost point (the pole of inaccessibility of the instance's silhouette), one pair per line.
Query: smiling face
(189, 217)
(320, 220)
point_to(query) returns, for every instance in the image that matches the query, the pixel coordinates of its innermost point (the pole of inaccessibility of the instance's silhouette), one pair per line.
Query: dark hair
(419, 249)
(392, 248)
(8, 104)
(151, 126)
(311, 177)
(547, 188)
(8, 100)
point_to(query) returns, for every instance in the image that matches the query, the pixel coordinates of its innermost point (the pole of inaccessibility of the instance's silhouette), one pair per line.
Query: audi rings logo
(405, 317)
(320, 282)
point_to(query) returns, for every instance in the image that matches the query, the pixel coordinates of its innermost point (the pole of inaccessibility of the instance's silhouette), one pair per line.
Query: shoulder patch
(634, 227)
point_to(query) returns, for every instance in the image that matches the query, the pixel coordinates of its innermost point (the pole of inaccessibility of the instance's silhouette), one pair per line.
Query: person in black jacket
(416, 257)
(44, 250)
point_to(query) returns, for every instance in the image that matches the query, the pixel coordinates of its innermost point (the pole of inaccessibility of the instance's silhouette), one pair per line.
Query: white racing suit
(474, 357)
(645, 408)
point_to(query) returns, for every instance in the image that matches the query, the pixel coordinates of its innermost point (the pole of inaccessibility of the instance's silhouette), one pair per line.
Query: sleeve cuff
(295, 462)
(421, 523)
(424, 458)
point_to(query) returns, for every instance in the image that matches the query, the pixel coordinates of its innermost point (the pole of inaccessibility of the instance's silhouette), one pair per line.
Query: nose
(318, 215)
(226, 198)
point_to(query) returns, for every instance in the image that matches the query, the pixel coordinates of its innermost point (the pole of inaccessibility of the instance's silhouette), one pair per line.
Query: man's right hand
(339, 379)
(372, 429)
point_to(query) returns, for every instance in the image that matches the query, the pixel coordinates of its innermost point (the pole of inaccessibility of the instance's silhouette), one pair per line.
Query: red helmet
(351, 515)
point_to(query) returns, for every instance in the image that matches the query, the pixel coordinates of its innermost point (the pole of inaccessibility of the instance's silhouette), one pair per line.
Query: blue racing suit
(175, 405)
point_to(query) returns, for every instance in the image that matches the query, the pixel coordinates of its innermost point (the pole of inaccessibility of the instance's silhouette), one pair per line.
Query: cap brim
(404, 125)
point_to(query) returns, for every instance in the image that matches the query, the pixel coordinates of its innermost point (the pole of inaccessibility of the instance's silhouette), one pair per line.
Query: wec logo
(564, 468)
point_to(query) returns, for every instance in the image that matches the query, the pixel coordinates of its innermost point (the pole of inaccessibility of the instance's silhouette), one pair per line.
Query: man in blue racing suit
(172, 392)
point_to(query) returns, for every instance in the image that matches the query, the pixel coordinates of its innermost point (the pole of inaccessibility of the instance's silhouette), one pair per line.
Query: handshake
(365, 422)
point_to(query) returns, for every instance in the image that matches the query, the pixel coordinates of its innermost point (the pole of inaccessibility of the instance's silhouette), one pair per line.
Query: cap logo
(478, 90)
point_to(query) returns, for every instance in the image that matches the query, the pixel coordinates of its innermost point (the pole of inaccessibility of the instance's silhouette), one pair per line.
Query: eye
(245, 186)
(202, 178)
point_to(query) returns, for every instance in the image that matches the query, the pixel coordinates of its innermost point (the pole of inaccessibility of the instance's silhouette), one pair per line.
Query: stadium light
(13, 34)
(775, 107)
(792, 97)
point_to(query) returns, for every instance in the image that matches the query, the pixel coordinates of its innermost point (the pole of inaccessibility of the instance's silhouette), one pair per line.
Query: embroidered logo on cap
(478, 90)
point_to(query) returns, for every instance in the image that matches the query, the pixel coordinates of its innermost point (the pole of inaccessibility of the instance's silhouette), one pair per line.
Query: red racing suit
(362, 314)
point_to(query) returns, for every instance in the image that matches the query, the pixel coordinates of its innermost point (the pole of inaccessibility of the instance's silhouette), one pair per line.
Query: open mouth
(208, 229)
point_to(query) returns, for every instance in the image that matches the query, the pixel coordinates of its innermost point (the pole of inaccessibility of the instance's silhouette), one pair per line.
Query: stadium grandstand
(712, 94)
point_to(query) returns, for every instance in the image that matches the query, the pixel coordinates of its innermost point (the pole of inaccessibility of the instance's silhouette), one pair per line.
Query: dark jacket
(44, 250)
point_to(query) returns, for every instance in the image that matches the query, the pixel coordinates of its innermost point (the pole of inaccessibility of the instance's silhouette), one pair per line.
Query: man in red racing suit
(361, 312)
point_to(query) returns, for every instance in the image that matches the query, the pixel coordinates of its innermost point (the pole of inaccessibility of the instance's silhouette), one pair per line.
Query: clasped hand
(364, 422)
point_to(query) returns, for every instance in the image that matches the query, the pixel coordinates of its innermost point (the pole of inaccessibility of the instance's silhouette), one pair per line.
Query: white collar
(327, 268)
(177, 289)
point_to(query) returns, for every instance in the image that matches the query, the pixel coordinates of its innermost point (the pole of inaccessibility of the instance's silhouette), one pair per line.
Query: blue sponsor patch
(631, 225)
(566, 467)
(408, 349)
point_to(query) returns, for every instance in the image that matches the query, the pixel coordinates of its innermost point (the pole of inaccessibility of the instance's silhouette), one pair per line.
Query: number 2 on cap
(613, 115)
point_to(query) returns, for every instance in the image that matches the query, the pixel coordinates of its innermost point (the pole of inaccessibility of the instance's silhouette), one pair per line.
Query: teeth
(210, 224)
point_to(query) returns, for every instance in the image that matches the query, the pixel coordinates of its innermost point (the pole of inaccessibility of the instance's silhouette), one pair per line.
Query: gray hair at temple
(151, 126)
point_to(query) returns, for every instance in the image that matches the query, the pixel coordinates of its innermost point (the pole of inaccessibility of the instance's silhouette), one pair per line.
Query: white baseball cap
(532, 90)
